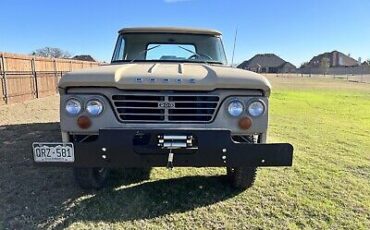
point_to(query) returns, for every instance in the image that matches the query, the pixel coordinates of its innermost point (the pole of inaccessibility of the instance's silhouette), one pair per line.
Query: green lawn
(328, 122)
(328, 187)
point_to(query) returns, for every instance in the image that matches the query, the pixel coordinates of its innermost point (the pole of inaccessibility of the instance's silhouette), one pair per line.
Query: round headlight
(94, 107)
(73, 107)
(235, 108)
(256, 109)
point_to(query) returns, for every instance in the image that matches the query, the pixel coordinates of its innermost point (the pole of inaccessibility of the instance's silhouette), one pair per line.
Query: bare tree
(51, 53)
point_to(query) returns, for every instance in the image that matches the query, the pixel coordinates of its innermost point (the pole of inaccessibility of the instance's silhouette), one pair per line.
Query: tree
(304, 64)
(325, 62)
(51, 53)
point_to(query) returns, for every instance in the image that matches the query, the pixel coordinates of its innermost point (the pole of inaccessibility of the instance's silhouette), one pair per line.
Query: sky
(294, 30)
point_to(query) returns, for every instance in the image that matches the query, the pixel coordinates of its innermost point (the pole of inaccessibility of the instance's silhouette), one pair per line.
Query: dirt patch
(30, 195)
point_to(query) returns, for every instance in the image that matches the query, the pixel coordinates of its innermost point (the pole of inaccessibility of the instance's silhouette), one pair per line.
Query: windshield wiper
(200, 55)
(143, 51)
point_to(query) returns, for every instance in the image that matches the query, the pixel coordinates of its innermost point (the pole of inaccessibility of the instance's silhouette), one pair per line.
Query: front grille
(159, 107)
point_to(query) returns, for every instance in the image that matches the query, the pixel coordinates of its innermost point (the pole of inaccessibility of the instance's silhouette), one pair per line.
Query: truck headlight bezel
(73, 106)
(94, 107)
(256, 108)
(235, 108)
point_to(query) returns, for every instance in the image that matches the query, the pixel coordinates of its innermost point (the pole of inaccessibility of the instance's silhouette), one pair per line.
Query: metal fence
(360, 78)
(339, 70)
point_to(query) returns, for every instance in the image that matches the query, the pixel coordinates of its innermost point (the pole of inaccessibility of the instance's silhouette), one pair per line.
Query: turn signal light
(245, 123)
(84, 122)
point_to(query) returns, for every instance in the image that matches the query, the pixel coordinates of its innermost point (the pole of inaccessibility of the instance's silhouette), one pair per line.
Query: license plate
(53, 152)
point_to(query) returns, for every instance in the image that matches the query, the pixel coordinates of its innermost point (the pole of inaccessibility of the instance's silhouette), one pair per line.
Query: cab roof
(170, 30)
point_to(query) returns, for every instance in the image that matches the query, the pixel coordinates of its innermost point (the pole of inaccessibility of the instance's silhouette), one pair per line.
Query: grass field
(327, 121)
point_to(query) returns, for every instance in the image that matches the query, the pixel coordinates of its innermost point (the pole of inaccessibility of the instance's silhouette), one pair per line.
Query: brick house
(268, 63)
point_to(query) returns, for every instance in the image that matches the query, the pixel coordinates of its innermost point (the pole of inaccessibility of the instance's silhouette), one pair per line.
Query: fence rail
(360, 78)
(22, 85)
(28, 77)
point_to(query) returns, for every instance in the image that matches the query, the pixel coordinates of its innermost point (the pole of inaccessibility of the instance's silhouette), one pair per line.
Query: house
(84, 58)
(268, 63)
(332, 59)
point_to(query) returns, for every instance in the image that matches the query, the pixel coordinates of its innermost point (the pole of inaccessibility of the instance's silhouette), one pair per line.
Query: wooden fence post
(1, 76)
(55, 75)
(4, 81)
(34, 74)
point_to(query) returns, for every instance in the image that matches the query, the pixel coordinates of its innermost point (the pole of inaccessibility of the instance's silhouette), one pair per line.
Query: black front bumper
(120, 148)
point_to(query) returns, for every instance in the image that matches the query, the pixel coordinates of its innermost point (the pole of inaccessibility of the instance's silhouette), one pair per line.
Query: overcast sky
(294, 30)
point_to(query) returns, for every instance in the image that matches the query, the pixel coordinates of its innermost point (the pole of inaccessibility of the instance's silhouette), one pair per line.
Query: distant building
(335, 63)
(332, 59)
(268, 63)
(84, 58)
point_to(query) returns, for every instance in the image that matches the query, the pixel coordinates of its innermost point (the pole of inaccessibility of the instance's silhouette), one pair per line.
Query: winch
(172, 142)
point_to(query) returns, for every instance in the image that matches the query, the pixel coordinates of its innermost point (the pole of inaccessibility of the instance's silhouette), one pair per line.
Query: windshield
(169, 47)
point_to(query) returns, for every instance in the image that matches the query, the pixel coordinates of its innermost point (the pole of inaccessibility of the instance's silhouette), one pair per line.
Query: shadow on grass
(40, 197)
(149, 199)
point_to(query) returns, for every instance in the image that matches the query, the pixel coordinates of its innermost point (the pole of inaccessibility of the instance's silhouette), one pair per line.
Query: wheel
(242, 178)
(91, 178)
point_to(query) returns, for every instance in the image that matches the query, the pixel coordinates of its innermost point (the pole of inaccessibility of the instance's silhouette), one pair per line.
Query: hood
(166, 76)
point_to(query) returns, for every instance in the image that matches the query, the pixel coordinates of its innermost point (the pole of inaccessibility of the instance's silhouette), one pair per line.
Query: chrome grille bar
(165, 107)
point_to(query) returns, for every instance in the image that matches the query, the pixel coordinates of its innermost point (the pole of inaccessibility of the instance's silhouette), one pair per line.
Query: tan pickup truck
(168, 99)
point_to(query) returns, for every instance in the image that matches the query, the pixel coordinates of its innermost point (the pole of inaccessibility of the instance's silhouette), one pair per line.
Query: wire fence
(359, 78)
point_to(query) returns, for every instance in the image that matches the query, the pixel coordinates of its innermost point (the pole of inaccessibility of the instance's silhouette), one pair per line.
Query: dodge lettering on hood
(168, 99)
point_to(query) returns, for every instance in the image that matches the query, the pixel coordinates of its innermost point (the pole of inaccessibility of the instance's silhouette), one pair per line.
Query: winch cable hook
(170, 160)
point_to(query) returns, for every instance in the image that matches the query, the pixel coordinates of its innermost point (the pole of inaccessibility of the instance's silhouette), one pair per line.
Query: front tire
(91, 178)
(243, 177)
